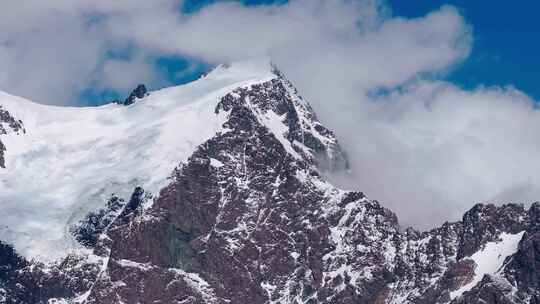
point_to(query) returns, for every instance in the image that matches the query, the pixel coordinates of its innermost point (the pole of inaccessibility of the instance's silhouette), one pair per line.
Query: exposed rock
(523, 270)
(8, 124)
(26, 282)
(139, 92)
(2, 151)
(88, 231)
(484, 223)
(490, 290)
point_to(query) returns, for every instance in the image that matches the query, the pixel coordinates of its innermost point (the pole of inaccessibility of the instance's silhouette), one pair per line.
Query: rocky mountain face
(250, 218)
(8, 124)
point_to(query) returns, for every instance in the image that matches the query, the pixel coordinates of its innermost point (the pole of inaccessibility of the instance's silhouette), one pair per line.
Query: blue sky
(174, 70)
(505, 49)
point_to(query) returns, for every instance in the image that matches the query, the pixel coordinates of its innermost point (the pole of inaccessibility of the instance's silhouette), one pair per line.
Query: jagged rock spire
(139, 92)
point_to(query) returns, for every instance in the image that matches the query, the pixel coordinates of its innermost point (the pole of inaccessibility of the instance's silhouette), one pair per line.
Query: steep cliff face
(248, 217)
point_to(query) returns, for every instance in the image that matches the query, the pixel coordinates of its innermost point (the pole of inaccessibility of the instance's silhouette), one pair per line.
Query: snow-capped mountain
(213, 192)
(72, 159)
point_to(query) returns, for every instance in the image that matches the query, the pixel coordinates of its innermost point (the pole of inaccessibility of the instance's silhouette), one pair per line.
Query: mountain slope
(246, 215)
(72, 159)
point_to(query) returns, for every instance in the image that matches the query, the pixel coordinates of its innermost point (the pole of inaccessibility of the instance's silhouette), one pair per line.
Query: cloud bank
(423, 147)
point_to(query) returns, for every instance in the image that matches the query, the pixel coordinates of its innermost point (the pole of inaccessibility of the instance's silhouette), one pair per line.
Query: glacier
(71, 160)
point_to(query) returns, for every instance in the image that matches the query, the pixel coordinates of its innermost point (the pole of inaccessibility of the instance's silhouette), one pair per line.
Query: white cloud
(51, 51)
(121, 73)
(427, 149)
(433, 150)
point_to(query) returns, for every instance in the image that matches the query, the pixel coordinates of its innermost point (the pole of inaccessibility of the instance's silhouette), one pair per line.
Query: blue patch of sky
(179, 69)
(506, 47)
(175, 70)
(505, 50)
(94, 96)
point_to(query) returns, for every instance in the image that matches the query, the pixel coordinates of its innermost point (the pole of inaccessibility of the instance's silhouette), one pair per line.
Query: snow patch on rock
(490, 260)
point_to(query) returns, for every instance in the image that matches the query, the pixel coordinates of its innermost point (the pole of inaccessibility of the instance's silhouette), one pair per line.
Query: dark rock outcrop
(2, 151)
(88, 230)
(138, 93)
(8, 124)
(523, 270)
(484, 223)
(28, 282)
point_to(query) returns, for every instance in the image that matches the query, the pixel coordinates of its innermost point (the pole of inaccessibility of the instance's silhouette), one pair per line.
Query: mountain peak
(212, 192)
(77, 157)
